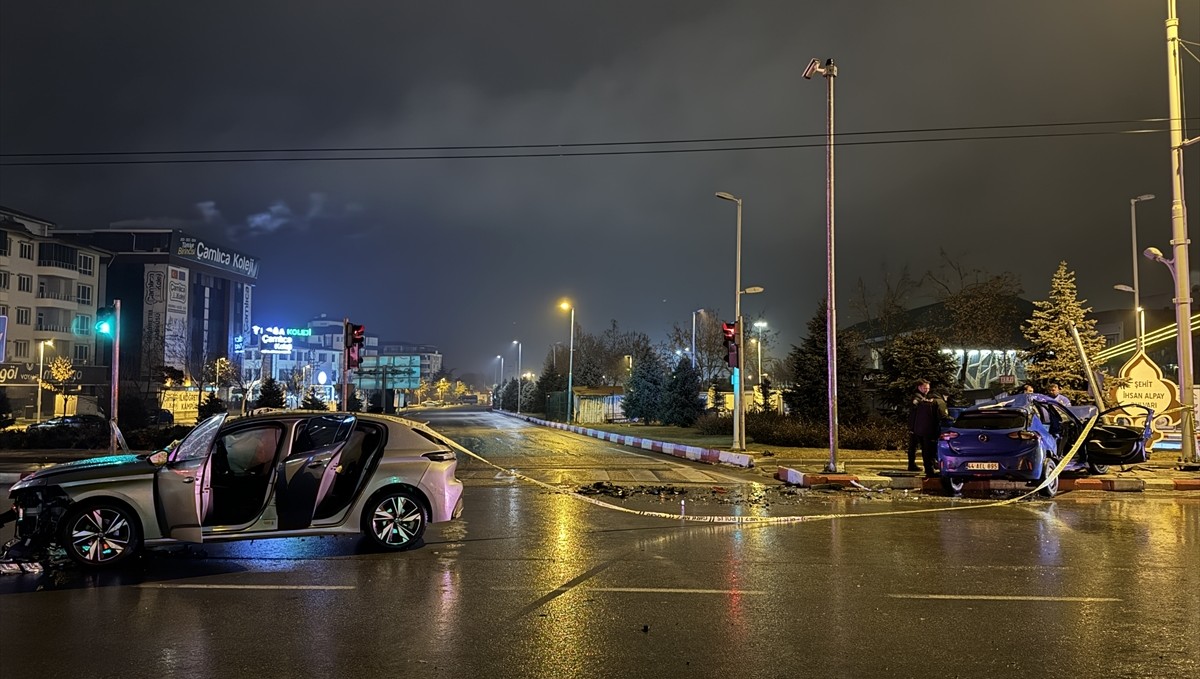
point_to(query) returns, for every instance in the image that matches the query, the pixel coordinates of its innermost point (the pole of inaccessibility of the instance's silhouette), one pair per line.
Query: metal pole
(1137, 299)
(830, 293)
(116, 380)
(1188, 454)
(346, 364)
(41, 371)
(693, 340)
(518, 377)
(571, 370)
(739, 436)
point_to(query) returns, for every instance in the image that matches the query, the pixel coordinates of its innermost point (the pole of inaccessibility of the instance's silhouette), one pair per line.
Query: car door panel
(302, 482)
(181, 486)
(1115, 444)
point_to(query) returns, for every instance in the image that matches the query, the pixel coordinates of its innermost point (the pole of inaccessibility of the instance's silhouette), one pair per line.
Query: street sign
(1008, 379)
(3, 336)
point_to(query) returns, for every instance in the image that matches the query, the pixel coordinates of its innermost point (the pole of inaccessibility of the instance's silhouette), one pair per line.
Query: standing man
(924, 425)
(1053, 392)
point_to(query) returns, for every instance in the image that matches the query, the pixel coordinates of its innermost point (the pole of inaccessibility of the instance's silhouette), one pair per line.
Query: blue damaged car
(1024, 436)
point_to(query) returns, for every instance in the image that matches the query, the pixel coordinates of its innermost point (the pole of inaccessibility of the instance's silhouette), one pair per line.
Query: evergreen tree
(1052, 357)
(764, 388)
(270, 395)
(211, 405)
(644, 390)
(551, 380)
(313, 402)
(808, 397)
(508, 397)
(682, 404)
(908, 358)
(355, 405)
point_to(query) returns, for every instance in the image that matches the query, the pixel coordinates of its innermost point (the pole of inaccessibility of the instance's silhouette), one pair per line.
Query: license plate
(993, 466)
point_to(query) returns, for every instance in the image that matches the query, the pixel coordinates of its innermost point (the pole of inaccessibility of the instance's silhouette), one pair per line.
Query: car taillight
(1026, 435)
(440, 456)
(947, 435)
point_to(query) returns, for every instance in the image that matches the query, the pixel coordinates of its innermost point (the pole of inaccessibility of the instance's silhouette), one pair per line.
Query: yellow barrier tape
(767, 520)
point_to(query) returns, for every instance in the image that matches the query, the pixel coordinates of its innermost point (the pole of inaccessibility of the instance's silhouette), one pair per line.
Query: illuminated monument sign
(277, 340)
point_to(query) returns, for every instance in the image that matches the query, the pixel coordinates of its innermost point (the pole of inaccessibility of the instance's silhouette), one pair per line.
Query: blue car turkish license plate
(986, 466)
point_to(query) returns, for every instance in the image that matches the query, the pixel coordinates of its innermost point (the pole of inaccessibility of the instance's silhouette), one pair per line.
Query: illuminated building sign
(277, 340)
(193, 249)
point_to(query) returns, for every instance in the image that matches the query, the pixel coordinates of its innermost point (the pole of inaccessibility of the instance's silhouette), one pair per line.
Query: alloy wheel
(101, 535)
(397, 521)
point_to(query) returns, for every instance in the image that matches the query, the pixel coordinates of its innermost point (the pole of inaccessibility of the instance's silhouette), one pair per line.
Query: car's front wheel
(953, 485)
(395, 519)
(100, 534)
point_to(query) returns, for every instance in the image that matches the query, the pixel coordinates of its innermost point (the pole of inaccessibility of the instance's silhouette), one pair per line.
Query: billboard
(388, 372)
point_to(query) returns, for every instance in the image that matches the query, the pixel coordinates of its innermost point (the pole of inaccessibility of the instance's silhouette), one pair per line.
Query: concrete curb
(709, 455)
(796, 477)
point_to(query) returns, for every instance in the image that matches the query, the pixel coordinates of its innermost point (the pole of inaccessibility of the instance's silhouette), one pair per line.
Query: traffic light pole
(116, 371)
(345, 365)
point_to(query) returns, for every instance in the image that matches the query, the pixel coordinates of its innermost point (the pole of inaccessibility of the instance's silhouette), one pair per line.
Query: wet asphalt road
(535, 584)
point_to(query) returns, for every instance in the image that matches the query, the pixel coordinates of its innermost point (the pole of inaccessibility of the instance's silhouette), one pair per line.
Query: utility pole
(116, 363)
(346, 339)
(1188, 455)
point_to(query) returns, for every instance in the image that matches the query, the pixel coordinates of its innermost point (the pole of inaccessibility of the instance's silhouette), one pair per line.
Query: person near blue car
(924, 425)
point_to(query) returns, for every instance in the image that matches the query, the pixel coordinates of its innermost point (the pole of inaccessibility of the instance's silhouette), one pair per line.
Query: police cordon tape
(767, 520)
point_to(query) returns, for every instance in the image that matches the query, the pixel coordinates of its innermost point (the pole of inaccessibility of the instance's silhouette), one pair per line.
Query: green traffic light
(104, 327)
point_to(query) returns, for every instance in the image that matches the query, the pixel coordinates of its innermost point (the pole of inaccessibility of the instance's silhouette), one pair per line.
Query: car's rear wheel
(100, 534)
(953, 485)
(395, 519)
(1097, 469)
(1051, 489)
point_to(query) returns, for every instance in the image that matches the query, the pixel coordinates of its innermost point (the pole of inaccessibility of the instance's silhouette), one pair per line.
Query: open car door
(304, 480)
(182, 483)
(1119, 444)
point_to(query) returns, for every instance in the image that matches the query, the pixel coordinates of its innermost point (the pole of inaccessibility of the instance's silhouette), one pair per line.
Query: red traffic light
(730, 330)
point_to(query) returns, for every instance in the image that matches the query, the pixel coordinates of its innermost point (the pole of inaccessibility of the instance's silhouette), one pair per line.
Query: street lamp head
(564, 305)
(1155, 254)
(1123, 288)
(516, 341)
(814, 66)
(753, 290)
(728, 196)
(1143, 197)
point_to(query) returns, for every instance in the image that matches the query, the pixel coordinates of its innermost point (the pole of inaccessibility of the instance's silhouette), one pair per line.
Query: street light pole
(116, 372)
(829, 71)
(41, 370)
(570, 364)
(739, 436)
(518, 343)
(1137, 299)
(1188, 454)
(694, 337)
(760, 325)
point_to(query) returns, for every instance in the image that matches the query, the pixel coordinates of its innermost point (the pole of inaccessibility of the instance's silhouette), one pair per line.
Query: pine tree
(211, 405)
(551, 380)
(915, 356)
(313, 402)
(682, 404)
(808, 397)
(1053, 357)
(508, 397)
(270, 395)
(355, 405)
(644, 390)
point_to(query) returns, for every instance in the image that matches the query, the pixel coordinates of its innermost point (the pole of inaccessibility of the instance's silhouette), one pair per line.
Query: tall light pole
(739, 437)
(1187, 426)
(518, 343)
(1139, 316)
(1189, 456)
(829, 72)
(1137, 298)
(500, 382)
(760, 325)
(565, 305)
(694, 337)
(41, 371)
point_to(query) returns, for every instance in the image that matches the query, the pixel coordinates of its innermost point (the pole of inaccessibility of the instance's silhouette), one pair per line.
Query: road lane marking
(639, 590)
(158, 585)
(1003, 597)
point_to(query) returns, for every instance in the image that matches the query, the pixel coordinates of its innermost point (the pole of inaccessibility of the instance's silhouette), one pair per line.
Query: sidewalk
(882, 469)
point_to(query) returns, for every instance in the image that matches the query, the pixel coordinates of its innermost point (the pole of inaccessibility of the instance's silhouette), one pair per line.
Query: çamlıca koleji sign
(193, 249)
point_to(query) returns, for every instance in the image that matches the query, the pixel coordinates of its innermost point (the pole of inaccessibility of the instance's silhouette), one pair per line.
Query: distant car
(1024, 436)
(72, 421)
(282, 474)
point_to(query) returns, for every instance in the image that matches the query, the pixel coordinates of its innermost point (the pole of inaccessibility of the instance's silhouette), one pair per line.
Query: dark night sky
(470, 254)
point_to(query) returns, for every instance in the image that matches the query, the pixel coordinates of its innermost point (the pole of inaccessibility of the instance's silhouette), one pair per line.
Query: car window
(991, 419)
(322, 431)
(200, 439)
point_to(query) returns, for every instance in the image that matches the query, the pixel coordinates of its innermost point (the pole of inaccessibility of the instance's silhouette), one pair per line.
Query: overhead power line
(550, 150)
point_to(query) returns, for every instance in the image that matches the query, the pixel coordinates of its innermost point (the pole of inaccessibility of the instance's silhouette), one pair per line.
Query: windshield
(197, 443)
(991, 419)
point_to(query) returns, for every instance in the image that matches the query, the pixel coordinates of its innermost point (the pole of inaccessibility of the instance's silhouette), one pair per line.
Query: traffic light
(731, 347)
(356, 337)
(105, 320)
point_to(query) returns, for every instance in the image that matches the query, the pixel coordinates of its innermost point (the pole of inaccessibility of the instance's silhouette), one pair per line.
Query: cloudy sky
(471, 253)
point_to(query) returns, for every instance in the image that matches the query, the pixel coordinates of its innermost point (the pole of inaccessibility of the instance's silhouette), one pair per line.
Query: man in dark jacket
(924, 425)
